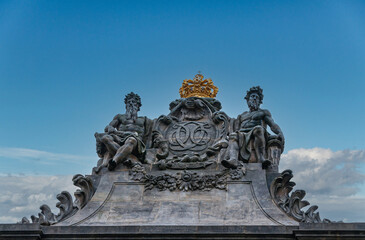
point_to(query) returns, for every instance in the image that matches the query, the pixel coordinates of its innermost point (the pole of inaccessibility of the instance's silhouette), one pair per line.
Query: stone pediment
(194, 166)
(235, 200)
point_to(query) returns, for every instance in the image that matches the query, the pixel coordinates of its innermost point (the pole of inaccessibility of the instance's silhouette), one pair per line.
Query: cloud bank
(333, 180)
(40, 156)
(36, 162)
(23, 195)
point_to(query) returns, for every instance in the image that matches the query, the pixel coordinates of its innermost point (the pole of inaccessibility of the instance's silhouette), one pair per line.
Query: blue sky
(66, 65)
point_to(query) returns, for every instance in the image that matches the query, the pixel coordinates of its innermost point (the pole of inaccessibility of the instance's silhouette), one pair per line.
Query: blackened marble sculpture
(249, 139)
(124, 136)
(195, 166)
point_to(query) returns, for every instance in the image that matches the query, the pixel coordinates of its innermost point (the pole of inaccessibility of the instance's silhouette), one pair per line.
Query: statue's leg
(231, 158)
(105, 161)
(124, 151)
(110, 144)
(259, 145)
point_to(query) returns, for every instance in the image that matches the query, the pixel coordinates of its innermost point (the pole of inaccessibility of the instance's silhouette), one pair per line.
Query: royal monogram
(190, 136)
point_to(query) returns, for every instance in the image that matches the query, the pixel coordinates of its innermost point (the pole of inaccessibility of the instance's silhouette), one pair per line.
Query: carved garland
(292, 204)
(185, 181)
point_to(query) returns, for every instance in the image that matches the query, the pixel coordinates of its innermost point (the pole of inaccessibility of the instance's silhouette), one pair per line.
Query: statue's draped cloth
(244, 137)
(122, 137)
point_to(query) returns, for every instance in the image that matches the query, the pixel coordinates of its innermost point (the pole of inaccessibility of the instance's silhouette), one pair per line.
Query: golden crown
(198, 87)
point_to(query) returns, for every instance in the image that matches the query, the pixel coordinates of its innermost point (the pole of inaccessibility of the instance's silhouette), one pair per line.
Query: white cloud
(40, 197)
(8, 219)
(344, 208)
(10, 197)
(333, 180)
(23, 195)
(40, 156)
(20, 209)
(322, 171)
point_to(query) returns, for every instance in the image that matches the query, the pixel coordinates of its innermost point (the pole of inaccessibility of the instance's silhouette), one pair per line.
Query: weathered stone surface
(119, 200)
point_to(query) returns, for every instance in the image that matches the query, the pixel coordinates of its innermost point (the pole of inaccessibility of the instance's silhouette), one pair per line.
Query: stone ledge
(20, 231)
(302, 232)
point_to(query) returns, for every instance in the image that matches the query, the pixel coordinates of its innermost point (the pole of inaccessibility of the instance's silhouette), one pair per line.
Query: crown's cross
(198, 87)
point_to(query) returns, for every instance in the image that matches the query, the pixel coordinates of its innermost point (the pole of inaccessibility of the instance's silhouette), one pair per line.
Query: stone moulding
(304, 231)
(292, 204)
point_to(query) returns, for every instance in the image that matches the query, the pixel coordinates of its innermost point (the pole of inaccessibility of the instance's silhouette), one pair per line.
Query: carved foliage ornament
(292, 204)
(186, 180)
(86, 191)
(66, 206)
(46, 217)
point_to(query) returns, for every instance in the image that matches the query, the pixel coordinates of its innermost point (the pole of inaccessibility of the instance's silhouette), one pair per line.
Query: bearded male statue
(124, 136)
(248, 140)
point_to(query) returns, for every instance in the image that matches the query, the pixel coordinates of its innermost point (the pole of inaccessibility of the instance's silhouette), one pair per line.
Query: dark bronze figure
(249, 139)
(187, 150)
(124, 136)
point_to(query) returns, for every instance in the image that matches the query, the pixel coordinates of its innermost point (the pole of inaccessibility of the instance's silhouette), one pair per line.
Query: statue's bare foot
(112, 165)
(98, 168)
(266, 164)
(230, 163)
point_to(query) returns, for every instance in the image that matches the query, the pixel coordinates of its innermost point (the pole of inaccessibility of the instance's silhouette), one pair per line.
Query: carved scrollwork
(65, 204)
(86, 191)
(292, 204)
(221, 118)
(186, 180)
(24, 221)
(47, 218)
(167, 120)
(161, 145)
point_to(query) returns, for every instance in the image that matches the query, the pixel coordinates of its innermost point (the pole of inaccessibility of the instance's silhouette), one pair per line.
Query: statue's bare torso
(249, 120)
(123, 124)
